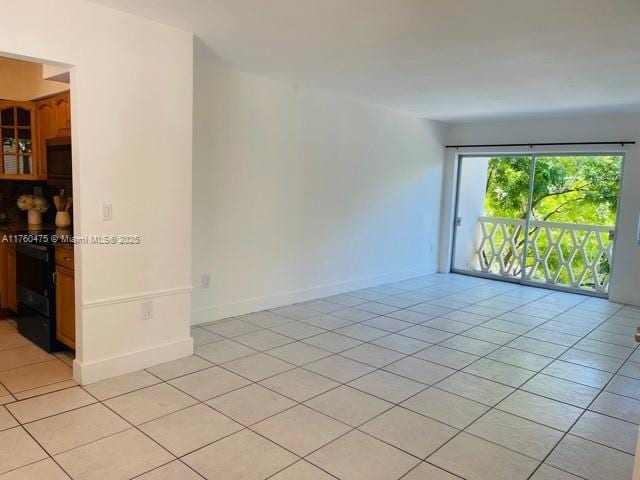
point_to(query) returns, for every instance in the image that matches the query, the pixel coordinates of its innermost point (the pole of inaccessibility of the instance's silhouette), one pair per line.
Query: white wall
(625, 282)
(300, 194)
(131, 88)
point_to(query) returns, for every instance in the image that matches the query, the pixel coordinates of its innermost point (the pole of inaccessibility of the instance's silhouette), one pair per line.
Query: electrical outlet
(107, 212)
(147, 310)
(205, 280)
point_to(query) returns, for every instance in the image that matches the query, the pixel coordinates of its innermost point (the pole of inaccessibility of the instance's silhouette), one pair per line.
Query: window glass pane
(6, 116)
(10, 164)
(8, 140)
(24, 140)
(24, 117)
(25, 164)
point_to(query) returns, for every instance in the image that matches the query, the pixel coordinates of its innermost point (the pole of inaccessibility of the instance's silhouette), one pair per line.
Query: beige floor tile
(339, 368)
(299, 384)
(578, 374)
(301, 430)
(184, 431)
(53, 387)
(265, 319)
(8, 398)
(43, 470)
(357, 456)
(328, 322)
(299, 353)
(333, 342)
(419, 370)
(263, 340)
(135, 454)
(243, 456)
(223, 351)
(523, 436)
(475, 388)
(476, 459)
(540, 409)
(520, 358)
(17, 449)
(6, 419)
(150, 403)
(71, 429)
(251, 404)
(203, 337)
(590, 460)
(424, 471)
(297, 330)
(608, 431)
(171, 471)
(499, 372)
(209, 383)
(388, 386)
(20, 357)
(409, 431)
(447, 357)
(401, 344)
(302, 471)
(470, 345)
(50, 404)
(10, 340)
(546, 472)
(120, 385)
(177, 368)
(446, 407)
(617, 406)
(561, 390)
(362, 332)
(231, 328)
(349, 405)
(34, 376)
(258, 366)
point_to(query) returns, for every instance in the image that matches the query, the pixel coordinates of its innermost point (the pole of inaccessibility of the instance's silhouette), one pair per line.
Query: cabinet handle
(67, 259)
(55, 278)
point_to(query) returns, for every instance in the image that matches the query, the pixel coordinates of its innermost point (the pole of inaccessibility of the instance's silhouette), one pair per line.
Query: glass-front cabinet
(18, 130)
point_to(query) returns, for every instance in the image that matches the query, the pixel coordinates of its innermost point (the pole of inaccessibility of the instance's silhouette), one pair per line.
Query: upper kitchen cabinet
(19, 140)
(62, 111)
(53, 117)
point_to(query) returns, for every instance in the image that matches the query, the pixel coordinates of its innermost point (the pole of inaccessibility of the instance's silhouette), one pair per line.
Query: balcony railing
(567, 254)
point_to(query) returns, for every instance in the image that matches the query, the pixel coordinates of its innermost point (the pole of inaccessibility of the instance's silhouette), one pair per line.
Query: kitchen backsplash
(10, 190)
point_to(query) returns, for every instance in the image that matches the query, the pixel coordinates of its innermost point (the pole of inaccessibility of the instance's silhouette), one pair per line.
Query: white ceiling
(451, 60)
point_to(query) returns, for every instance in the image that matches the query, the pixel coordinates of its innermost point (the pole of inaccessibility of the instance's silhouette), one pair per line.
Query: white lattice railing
(568, 254)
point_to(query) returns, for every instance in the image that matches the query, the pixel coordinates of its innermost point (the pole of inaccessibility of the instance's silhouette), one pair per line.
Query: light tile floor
(434, 378)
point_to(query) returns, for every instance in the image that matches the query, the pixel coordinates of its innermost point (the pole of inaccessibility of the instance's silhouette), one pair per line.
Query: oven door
(34, 281)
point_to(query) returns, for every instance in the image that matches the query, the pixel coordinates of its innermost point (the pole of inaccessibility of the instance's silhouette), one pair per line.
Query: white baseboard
(256, 304)
(90, 372)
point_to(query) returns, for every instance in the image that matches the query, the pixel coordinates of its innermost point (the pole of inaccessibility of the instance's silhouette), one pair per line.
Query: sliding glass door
(541, 219)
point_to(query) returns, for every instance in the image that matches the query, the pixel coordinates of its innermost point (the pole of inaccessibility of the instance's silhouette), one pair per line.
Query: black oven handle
(39, 252)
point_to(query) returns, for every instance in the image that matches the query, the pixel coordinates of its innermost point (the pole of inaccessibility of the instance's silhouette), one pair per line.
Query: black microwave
(59, 158)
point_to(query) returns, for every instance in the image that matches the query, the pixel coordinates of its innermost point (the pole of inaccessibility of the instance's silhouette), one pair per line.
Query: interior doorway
(538, 219)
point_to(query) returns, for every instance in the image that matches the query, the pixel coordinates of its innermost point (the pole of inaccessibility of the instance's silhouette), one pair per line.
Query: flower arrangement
(33, 202)
(35, 205)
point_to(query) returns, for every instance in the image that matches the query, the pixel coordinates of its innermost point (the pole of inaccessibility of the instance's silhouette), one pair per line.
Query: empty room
(315, 240)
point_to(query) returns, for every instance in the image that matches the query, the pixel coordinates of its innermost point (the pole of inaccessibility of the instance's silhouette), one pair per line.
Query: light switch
(107, 212)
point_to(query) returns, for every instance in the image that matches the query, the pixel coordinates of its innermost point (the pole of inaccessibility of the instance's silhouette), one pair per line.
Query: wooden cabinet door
(62, 106)
(18, 136)
(45, 121)
(65, 307)
(12, 300)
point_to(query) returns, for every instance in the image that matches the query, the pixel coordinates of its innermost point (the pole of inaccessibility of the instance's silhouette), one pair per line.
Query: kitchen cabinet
(53, 119)
(18, 129)
(65, 297)
(12, 300)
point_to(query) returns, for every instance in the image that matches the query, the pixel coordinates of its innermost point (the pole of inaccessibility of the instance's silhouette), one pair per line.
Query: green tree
(569, 189)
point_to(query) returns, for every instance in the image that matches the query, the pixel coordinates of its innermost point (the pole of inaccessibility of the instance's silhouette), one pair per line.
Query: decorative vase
(63, 219)
(34, 217)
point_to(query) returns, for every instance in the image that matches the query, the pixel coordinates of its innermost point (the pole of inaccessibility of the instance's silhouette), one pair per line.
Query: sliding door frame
(534, 156)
